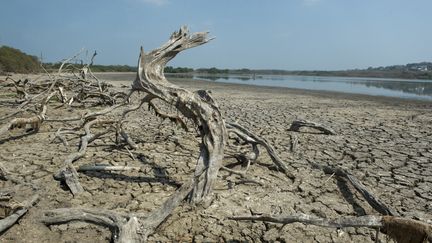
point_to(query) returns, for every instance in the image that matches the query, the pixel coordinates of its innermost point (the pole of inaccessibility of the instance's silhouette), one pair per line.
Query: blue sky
(273, 34)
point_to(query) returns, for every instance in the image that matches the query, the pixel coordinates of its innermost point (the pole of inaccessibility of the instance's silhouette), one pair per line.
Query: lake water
(401, 88)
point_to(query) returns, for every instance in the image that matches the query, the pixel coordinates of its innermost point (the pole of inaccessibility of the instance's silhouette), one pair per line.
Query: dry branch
(252, 138)
(68, 174)
(125, 228)
(107, 168)
(34, 121)
(297, 124)
(7, 222)
(362, 221)
(367, 195)
(400, 229)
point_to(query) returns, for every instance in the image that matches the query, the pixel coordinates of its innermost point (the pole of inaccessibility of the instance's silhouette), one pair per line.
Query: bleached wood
(9, 221)
(197, 106)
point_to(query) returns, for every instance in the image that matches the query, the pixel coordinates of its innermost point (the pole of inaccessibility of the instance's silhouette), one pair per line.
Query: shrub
(13, 60)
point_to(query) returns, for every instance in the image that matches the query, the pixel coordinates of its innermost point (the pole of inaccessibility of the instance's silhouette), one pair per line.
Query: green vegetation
(169, 69)
(421, 70)
(13, 60)
(409, 71)
(94, 67)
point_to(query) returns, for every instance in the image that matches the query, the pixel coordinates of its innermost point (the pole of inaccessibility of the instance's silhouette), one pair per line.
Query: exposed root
(125, 228)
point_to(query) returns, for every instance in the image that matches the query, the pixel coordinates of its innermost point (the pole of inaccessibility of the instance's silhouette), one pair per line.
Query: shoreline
(201, 84)
(315, 93)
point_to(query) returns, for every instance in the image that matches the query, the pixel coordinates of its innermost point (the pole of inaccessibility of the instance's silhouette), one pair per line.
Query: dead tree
(197, 106)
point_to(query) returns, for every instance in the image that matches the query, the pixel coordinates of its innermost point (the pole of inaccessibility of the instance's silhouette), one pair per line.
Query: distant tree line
(94, 67)
(169, 69)
(13, 60)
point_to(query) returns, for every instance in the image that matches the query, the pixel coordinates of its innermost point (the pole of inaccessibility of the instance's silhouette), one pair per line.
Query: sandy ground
(384, 142)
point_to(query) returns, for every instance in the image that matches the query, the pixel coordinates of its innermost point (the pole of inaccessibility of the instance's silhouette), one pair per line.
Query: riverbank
(385, 142)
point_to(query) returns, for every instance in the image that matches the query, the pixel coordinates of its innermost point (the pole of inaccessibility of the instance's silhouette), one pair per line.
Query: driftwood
(107, 168)
(7, 222)
(252, 138)
(125, 228)
(34, 121)
(400, 229)
(367, 195)
(297, 124)
(68, 173)
(197, 106)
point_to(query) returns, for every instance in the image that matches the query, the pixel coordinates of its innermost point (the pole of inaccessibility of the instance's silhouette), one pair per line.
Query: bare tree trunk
(197, 106)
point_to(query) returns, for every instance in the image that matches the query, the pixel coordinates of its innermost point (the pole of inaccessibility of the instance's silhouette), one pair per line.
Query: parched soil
(386, 143)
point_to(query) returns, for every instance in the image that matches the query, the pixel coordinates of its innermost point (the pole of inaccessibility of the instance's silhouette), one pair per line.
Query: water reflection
(414, 89)
(411, 89)
(221, 78)
(407, 87)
